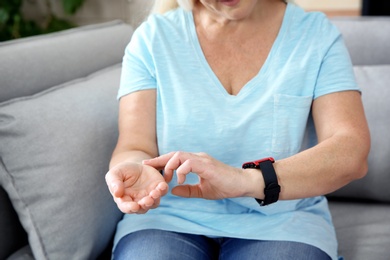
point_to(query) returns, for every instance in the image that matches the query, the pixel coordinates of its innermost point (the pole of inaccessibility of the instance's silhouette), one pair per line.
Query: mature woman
(210, 86)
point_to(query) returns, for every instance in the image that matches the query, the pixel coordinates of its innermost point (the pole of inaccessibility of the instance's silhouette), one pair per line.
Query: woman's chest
(236, 62)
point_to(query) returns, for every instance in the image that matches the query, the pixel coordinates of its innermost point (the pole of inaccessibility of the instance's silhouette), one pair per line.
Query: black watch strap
(272, 188)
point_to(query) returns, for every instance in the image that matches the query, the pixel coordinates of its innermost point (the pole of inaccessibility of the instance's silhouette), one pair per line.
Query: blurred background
(348, 7)
(21, 18)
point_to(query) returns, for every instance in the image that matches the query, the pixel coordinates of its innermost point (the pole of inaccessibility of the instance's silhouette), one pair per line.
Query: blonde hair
(162, 6)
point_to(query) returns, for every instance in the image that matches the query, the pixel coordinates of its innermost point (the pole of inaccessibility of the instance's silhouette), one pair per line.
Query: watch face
(249, 165)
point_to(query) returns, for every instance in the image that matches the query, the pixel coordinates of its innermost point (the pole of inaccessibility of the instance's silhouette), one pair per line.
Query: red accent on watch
(256, 164)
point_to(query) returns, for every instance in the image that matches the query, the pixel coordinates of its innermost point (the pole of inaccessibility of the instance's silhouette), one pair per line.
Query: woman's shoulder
(170, 20)
(167, 27)
(311, 28)
(313, 22)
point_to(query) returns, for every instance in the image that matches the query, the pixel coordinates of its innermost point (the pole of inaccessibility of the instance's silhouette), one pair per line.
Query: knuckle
(203, 155)
(190, 161)
(179, 154)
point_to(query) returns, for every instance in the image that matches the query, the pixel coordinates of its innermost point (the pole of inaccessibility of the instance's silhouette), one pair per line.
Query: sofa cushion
(367, 38)
(374, 82)
(59, 57)
(10, 228)
(24, 253)
(363, 229)
(55, 150)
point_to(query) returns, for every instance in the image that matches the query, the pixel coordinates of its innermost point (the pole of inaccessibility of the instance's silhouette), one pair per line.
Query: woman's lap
(166, 245)
(234, 248)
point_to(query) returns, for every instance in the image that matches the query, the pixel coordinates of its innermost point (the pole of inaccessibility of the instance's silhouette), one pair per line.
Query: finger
(160, 161)
(183, 170)
(146, 202)
(187, 191)
(153, 200)
(159, 164)
(159, 191)
(156, 203)
(163, 188)
(131, 207)
(175, 162)
(149, 203)
(127, 206)
(115, 184)
(155, 194)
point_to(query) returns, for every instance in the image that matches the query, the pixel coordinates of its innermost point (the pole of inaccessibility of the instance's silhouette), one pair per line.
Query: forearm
(137, 123)
(324, 168)
(320, 170)
(341, 153)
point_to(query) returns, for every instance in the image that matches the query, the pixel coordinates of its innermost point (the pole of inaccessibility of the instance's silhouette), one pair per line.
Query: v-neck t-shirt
(268, 117)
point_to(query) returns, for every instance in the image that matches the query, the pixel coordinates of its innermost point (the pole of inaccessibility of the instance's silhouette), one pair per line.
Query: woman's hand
(216, 180)
(136, 188)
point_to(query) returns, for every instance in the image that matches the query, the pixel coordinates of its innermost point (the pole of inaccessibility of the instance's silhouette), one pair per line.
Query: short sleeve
(336, 71)
(138, 72)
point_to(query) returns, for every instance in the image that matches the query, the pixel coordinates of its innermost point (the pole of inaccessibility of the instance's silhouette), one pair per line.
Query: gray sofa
(58, 127)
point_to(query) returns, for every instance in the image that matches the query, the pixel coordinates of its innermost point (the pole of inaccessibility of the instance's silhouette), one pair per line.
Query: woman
(213, 84)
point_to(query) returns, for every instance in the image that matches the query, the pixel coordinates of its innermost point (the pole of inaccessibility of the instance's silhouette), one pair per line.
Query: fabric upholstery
(367, 39)
(36, 63)
(55, 149)
(363, 230)
(24, 253)
(10, 227)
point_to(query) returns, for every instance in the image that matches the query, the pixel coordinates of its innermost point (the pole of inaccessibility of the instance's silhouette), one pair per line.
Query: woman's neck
(264, 14)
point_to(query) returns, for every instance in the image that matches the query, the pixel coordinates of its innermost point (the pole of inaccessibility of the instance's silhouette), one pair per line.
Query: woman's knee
(159, 244)
(276, 250)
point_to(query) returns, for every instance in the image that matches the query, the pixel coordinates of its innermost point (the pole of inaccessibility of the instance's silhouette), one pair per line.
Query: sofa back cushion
(55, 150)
(36, 63)
(367, 39)
(12, 235)
(58, 128)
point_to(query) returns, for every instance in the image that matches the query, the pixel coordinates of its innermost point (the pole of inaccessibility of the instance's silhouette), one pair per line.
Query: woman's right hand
(136, 188)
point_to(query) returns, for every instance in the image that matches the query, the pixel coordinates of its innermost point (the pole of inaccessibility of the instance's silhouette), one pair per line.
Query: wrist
(255, 183)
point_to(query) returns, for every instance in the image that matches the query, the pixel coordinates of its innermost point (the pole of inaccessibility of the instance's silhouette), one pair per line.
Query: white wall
(329, 4)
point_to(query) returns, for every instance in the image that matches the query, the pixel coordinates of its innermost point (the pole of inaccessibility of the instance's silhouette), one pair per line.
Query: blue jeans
(166, 245)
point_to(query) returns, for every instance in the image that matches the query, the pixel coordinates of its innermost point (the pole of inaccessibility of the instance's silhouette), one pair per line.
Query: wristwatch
(272, 188)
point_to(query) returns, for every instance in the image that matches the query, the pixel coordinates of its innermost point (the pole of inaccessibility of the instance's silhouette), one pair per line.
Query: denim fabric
(159, 244)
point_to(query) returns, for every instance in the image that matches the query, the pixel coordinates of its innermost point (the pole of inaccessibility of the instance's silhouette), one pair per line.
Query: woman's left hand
(216, 179)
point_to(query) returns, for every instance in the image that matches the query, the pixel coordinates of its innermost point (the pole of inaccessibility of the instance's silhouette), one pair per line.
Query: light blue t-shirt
(267, 118)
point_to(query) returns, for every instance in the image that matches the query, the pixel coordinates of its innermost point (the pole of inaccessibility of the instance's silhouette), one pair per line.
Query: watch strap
(272, 188)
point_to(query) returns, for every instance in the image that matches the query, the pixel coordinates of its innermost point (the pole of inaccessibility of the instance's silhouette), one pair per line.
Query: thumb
(117, 189)
(187, 191)
(115, 184)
